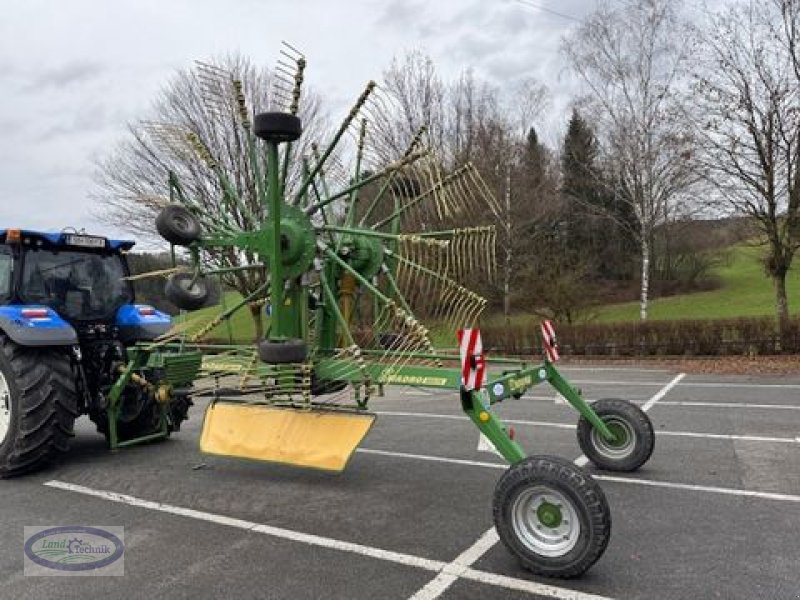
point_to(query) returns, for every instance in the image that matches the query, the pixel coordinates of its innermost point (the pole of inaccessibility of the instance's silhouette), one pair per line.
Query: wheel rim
(5, 408)
(622, 446)
(192, 287)
(545, 521)
(181, 223)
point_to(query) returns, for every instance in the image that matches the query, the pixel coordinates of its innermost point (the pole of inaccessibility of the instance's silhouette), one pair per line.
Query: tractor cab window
(78, 285)
(5, 272)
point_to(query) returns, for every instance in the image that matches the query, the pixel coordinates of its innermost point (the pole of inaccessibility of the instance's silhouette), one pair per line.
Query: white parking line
(461, 568)
(730, 405)
(453, 570)
(663, 392)
(782, 386)
(710, 384)
(549, 400)
(523, 585)
(731, 436)
(467, 558)
(711, 489)
(278, 532)
(634, 369)
(616, 383)
(571, 426)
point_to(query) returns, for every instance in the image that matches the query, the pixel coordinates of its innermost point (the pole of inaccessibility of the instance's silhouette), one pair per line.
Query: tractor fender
(141, 323)
(36, 325)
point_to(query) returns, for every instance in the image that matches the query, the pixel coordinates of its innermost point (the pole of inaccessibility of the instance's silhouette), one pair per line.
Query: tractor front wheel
(552, 516)
(632, 428)
(38, 406)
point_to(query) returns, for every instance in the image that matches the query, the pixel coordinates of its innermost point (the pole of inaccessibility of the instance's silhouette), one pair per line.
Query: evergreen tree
(597, 231)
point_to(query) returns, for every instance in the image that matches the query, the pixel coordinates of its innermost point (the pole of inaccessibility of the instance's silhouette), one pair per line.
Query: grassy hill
(239, 327)
(746, 291)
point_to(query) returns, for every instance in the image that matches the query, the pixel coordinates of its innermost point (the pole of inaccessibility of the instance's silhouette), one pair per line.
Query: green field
(746, 291)
(239, 327)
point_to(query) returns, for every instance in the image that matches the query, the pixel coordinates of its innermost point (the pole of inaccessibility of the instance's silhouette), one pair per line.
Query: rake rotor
(359, 242)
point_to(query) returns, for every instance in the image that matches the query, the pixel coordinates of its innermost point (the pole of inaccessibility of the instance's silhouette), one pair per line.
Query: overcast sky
(72, 74)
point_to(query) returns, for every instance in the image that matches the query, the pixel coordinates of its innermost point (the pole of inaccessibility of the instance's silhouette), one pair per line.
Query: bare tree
(417, 96)
(747, 88)
(470, 121)
(632, 57)
(201, 101)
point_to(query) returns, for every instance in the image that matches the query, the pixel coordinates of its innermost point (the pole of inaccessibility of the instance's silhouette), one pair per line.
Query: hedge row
(723, 337)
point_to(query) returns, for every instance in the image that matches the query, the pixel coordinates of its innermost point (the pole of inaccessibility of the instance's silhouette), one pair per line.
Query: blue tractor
(73, 342)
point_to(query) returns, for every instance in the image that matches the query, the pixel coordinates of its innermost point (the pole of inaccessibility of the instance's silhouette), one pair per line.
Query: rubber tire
(582, 490)
(639, 422)
(277, 126)
(176, 290)
(285, 352)
(177, 225)
(44, 406)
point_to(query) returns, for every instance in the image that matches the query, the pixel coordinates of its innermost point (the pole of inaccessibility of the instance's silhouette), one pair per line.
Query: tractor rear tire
(177, 225)
(552, 516)
(39, 404)
(633, 428)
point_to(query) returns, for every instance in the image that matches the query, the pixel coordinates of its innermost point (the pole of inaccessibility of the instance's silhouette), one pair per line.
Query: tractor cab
(80, 277)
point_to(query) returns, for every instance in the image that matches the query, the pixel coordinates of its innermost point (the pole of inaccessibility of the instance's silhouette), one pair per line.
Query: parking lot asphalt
(714, 513)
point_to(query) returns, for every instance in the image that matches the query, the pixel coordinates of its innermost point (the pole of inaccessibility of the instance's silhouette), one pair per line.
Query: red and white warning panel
(549, 341)
(473, 362)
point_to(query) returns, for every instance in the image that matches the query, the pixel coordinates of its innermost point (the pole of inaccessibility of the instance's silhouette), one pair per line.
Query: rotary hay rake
(351, 259)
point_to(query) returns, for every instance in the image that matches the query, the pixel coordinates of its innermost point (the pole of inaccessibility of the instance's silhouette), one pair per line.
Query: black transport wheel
(38, 406)
(552, 516)
(632, 428)
(276, 352)
(177, 225)
(277, 126)
(186, 291)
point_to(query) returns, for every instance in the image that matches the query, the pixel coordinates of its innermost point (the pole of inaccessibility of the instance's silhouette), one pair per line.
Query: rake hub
(297, 244)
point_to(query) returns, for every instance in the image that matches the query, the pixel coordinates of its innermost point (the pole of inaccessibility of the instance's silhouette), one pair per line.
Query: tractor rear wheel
(38, 406)
(552, 516)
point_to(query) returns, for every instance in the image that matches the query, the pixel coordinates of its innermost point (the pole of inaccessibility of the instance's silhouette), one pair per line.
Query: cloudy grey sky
(72, 74)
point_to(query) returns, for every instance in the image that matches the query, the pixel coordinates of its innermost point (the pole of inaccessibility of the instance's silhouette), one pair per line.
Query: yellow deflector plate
(305, 438)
